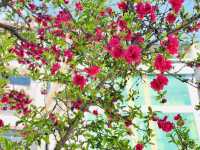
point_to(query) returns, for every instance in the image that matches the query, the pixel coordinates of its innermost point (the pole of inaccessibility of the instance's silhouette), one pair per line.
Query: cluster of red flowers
(177, 117)
(114, 47)
(55, 68)
(80, 80)
(1, 123)
(26, 50)
(195, 27)
(108, 11)
(122, 6)
(171, 44)
(99, 34)
(176, 5)
(43, 20)
(145, 8)
(139, 146)
(58, 33)
(53, 25)
(77, 104)
(79, 6)
(159, 82)
(162, 64)
(68, 54)
(32, 6)
(93, 70)
(17, 101)
(170, 18)
(137, 38)
(95, 112)
(132, 54)
(64, 16)
(128, 122)
(164, 124)
(121, 24)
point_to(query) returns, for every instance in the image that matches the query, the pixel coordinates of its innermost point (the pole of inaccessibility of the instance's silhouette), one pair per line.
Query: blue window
(20, 80)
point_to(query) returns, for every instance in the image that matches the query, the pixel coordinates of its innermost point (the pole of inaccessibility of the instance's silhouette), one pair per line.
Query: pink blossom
(55, 68)
(159, 82)
(162, 64)
(93, 70)
(79, 80)
(79, 6)
(133, 54)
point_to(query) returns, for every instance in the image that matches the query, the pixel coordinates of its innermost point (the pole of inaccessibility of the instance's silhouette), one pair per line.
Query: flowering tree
(91, 51)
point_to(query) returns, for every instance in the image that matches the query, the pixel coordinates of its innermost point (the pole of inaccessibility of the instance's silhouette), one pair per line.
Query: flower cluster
(93, 70)
(179, 120)
(79, 6)
(139, 146)
(164, 124)
(114, 47)
(170, 18)
(177, 117)
(25, 50)
(77, 104)
(159, 82)
(43, 20)
(131, 55)
(64, 16)
(162, 64)
(55, 68)
(17, 101)
(176, 5)
(79, 80)
(68, 54)
(122, 6)
(128, 122)
(1, 123)
(145, 8)
(171, 44)
(99, 34)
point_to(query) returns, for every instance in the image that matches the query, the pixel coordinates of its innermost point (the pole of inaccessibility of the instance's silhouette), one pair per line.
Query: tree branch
(69, 131)
(3, 3)
(183, 26)
(12, 30)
